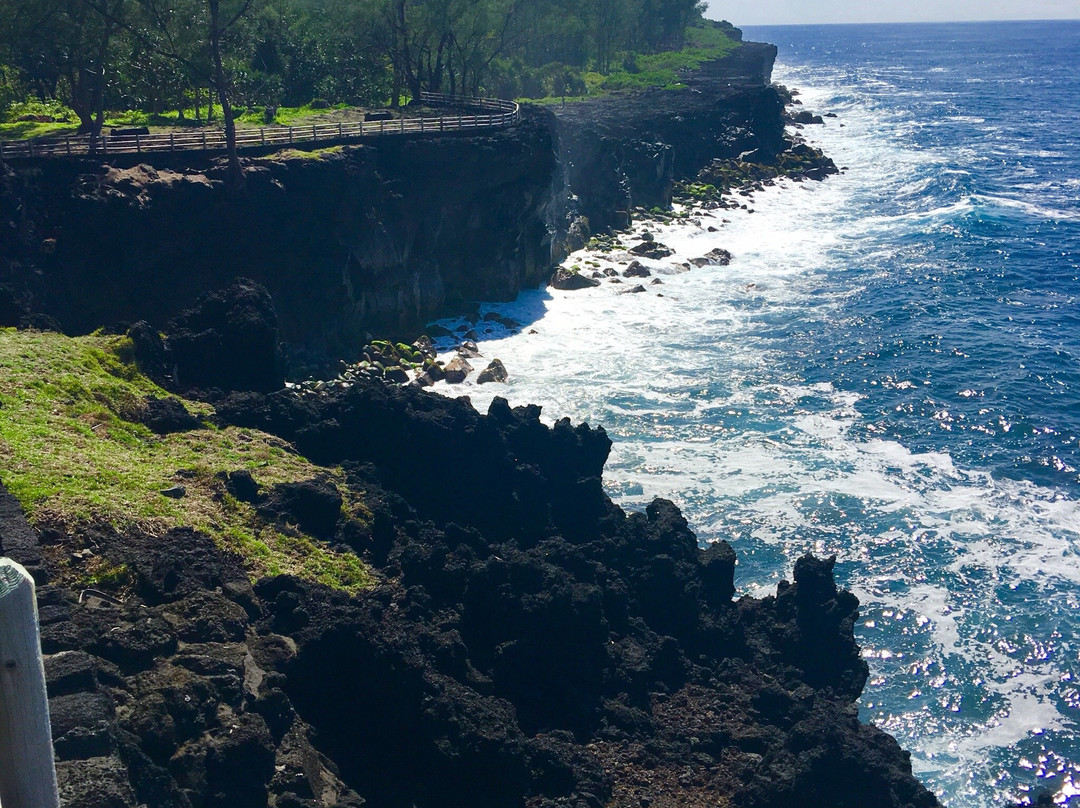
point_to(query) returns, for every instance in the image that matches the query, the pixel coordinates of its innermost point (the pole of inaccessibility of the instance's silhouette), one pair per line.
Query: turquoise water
(889, 371)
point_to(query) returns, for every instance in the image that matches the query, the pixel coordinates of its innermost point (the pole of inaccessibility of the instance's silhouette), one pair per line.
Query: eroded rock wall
(373, 238)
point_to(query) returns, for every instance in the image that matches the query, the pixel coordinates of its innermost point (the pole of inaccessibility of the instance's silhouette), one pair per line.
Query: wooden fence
(486, 113)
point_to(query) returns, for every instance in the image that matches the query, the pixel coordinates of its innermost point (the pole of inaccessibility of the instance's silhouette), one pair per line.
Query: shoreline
(538, 639)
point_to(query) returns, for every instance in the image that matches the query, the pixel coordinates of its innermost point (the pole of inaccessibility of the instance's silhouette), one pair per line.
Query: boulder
(166, 415)
(716, 258)
(228, 340)
(456, 370)
(468, 350)
(632, 290)
(241, 486)
(637, 270)
(569, 280)
(314, 505)
(424, 345)
(651, 249)
(495, 372)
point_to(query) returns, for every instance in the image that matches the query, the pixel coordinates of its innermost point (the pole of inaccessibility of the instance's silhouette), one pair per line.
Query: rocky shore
(526, 642)
(506, 635)
(353, 241)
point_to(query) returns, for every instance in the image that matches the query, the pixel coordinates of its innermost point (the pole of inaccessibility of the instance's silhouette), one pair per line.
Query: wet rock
(456, 370)
(637, 270)
(568, 279)
(495, 372)
(395, 374)
(425, 346)
(468, 350)
(651, 249)
(633, 290)
(804, 116)
(717, 257)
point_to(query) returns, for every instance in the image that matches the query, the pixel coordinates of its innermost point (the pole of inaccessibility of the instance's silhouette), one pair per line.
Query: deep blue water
(889, 371)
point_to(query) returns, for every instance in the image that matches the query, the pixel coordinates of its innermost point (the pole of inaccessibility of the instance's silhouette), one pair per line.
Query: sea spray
(888, 371)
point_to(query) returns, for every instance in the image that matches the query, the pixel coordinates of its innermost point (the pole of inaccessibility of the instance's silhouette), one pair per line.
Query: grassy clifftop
(74, 450)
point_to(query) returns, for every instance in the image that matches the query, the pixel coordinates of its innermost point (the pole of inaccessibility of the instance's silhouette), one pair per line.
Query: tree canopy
(193, 57)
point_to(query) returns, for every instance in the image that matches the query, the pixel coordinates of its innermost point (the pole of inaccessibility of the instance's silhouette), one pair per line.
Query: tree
(65, 48)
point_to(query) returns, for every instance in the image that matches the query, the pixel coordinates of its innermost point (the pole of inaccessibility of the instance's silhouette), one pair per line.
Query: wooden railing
(486, 113)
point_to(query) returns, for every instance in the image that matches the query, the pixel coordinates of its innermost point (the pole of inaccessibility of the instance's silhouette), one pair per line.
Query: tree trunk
(236, 171)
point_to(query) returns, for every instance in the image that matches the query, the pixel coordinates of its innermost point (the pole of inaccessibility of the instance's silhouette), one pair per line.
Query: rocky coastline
(353, 241)
(521, 640)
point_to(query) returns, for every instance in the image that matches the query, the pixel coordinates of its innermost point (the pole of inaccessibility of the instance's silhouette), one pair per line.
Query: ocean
(888, 372)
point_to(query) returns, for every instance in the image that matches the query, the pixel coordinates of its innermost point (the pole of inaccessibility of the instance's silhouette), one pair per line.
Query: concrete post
(27, 769)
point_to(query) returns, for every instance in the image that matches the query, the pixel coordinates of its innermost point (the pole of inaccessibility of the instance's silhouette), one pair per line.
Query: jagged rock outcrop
(529, 643)
(627, 149)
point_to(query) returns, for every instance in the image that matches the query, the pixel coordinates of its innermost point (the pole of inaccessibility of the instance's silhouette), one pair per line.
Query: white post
(27, 770)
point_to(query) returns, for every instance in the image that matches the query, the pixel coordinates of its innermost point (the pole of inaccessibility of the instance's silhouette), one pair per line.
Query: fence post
(204, 138)
(172, 141)
(341, 131)
(27, 770)
(402, 124)
(1, 150)
(31, 147)
(262, 131)
(138, 143)
(314, 133)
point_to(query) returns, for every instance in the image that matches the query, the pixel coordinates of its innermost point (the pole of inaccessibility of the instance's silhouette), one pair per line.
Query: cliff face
(353, 239)
(625, 150)
(365, 238)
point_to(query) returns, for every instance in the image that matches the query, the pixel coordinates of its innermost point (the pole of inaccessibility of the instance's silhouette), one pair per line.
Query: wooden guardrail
(487, 113)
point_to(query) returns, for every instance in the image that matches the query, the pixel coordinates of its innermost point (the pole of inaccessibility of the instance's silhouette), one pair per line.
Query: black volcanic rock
(228, 340)
(529, 643)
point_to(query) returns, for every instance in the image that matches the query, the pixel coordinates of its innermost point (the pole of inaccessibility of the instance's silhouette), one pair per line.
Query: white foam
(701, 411)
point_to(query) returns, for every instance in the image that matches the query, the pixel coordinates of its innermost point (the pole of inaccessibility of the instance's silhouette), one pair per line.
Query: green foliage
(151, 56)
(72, 451)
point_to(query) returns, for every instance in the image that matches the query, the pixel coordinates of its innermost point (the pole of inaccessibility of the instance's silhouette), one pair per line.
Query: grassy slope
(71, 452)
(703, 45)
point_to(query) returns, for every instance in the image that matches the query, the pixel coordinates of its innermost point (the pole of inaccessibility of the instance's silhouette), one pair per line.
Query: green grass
(655, 70)
(72, 453)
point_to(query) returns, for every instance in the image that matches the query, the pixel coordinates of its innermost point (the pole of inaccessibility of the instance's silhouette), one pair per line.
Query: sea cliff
(357, 239)
(516, 638)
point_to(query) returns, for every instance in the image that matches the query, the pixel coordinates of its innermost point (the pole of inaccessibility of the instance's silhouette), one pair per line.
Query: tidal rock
(434, 371)
(717, 258)
(424, 345)
(568, 279)
(468, 350)
(637, 270)
(632, 290)
(396, 374)
(806, 116)
(651, 249)
(456, 370)
(495, 372)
